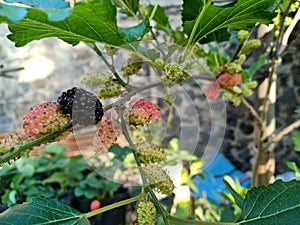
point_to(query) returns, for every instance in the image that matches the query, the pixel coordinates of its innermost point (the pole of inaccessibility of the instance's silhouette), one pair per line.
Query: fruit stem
(195, 27)
(17, 149)
(114, 205)
(112, 69)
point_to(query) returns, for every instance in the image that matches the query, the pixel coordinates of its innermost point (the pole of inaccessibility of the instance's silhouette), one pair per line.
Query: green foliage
(276, 203)
(130, 7)
(255, 66)
(94, 21)
(135, 33)
(49, 175)
(239, 200)
(242, 16)
(42, 211)
(296, 140)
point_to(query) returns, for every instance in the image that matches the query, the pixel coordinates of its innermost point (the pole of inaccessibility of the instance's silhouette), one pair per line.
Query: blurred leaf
(25, 166)
(58, 177)
(130, 7)
(11, 13)
(42, 211)
(56, 9)
(293, 166)
(160, 17)
(53, 4)
(243, 15)
(255, 66)
(92, 21)
(120, 153)
(184, 179)
(297, 111)
(195, 167)
(239, 200)
(277, 203)
(135, 33)
(296, 140)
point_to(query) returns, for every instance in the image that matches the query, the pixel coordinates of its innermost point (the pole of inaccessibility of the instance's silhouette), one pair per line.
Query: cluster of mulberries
(146, 213)
(83, 106)
(250, 45)
(149, 152)
(44, 119)
(108, 132)
(174, 72)
(108, 91)
(140, 111)
(156, 176)
(133, 65)
(96, 79)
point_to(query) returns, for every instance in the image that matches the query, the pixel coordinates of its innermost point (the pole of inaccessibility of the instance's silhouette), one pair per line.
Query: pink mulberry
(44, 119)
(108, 132)
(229, 80)
(213, 90)
(140, 111)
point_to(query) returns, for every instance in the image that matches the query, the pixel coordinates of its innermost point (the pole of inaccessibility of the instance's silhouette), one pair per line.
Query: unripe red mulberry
(213, 90)
(44, 119)
(146, 213)
(108, 132)
(140, 111)
(159, 178)
(149, 152)
(229, 80)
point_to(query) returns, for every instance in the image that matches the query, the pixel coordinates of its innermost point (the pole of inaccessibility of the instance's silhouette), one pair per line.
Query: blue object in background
(213, 183)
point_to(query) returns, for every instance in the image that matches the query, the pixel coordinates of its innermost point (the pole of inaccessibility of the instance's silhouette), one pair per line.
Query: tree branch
(284, 132)
(252, 111)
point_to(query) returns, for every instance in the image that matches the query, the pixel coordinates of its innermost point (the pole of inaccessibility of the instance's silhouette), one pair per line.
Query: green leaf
(255, 66)
(42, 211)
(135, 33)
(93, 21)
(297, 111)
(243, 15)
(239, 200)
(58, 177)
(130, 7)
(160, 17)
(296, 140)
(278, 203)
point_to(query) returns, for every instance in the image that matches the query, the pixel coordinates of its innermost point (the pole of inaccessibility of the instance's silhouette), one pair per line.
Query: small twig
(17, 149)
(281, 24)
(288, 32)
(114, 205)
(252, 111)
(284, 132)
